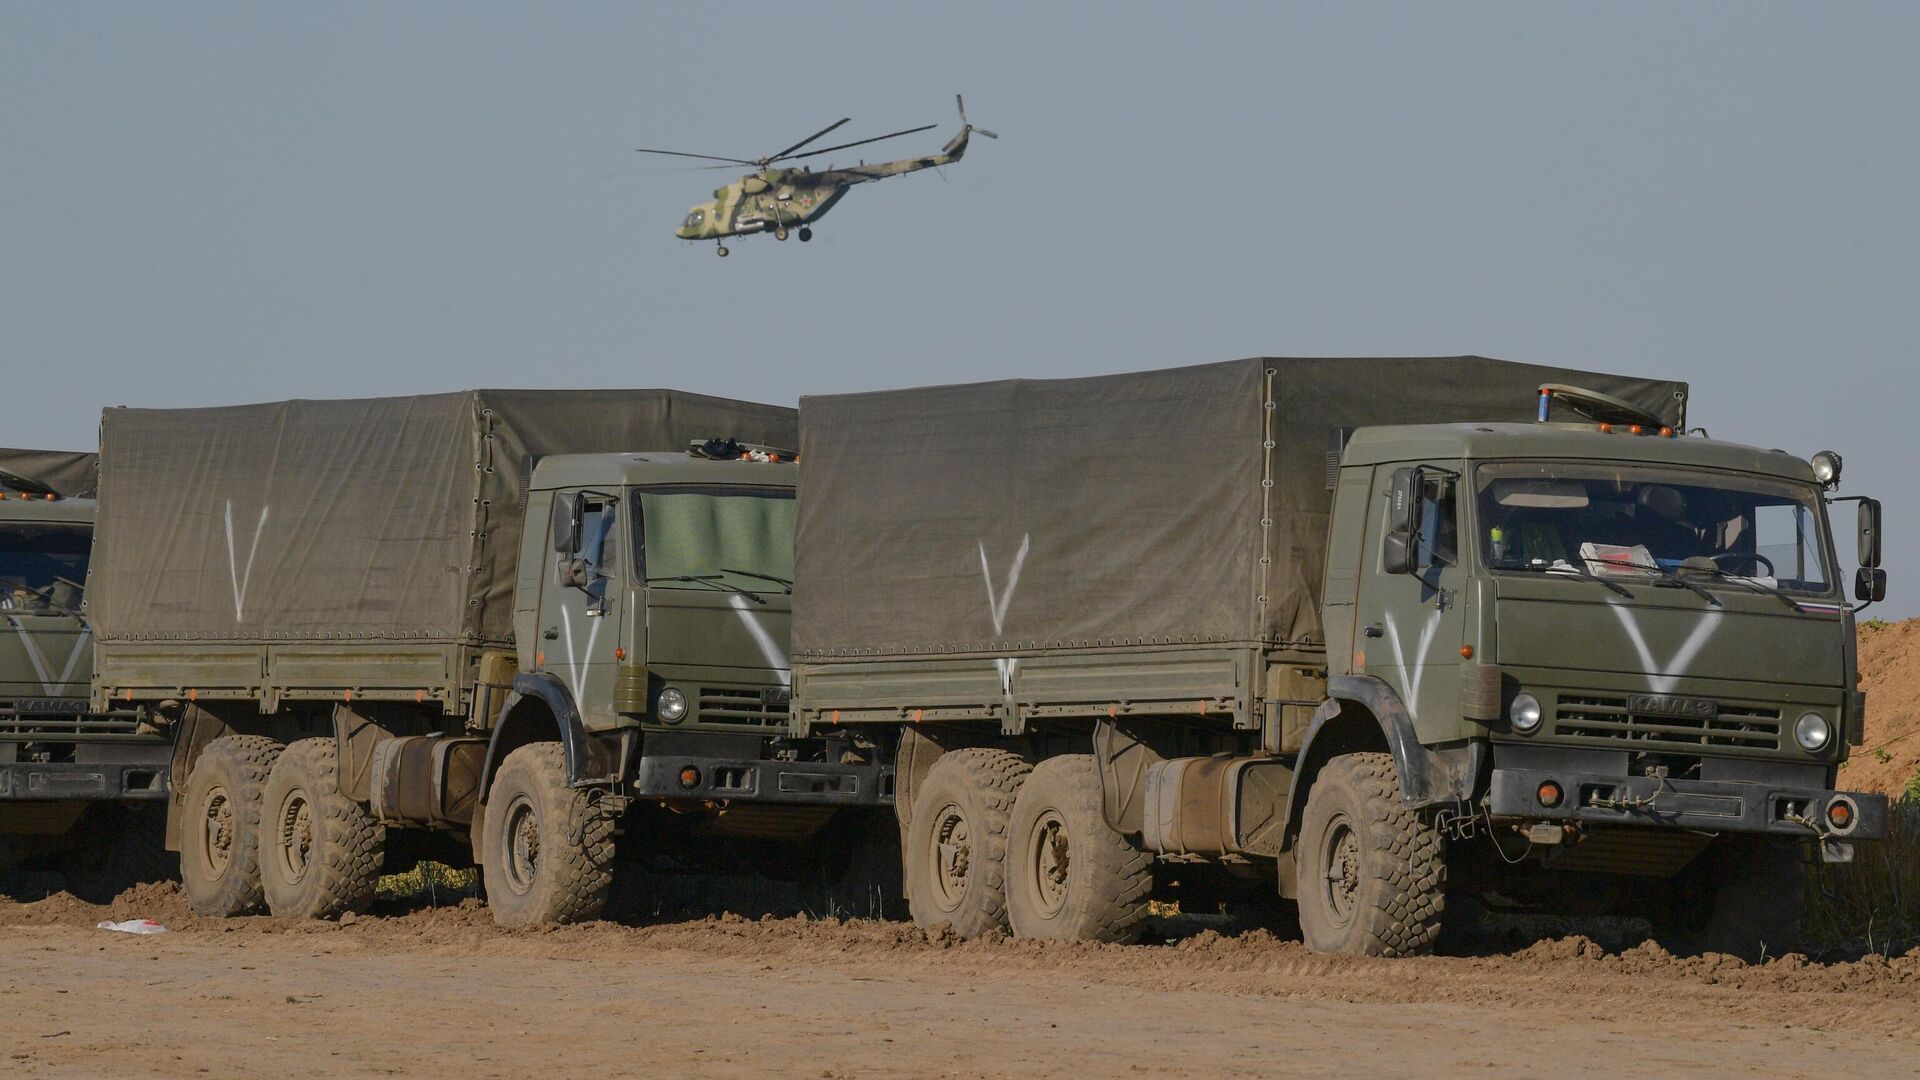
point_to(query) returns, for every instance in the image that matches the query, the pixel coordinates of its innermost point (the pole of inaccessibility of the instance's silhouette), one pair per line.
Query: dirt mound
(1890, 674)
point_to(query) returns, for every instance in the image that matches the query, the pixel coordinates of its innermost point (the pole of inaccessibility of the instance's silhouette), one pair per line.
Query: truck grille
(733, 705)
(15, 727)
(1606, 716)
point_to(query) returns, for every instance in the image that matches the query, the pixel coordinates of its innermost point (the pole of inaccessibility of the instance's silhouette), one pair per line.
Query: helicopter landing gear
(720, 250)
(780, 232)
(806, 234)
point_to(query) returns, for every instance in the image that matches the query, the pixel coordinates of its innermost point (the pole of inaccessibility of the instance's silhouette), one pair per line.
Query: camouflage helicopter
(778, 199)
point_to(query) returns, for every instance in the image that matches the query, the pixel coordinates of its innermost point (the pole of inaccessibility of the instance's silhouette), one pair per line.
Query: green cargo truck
(80, 791)
(530, 625)
(1396, 634)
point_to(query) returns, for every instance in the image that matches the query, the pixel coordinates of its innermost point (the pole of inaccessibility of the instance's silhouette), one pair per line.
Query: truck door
(580, 601)
(1410, 624)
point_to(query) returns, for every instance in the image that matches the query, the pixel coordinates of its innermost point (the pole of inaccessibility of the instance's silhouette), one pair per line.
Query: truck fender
(585, 761)
(1427, 777)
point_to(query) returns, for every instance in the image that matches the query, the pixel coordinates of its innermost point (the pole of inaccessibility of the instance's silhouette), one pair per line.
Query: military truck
(81, 791)
(1398, 636)
(540, 628)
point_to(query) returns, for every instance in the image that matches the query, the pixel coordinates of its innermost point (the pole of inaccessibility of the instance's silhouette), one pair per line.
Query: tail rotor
(964, 126)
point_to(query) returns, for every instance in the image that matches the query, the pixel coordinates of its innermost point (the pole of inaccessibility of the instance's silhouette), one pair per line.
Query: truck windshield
(1638, 521)
(43, 567)
(700, 535)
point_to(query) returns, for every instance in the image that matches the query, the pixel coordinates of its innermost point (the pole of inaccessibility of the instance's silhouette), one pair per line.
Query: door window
(598, 559)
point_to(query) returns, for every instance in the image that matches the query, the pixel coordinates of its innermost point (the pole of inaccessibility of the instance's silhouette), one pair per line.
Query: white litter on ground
(134, 926)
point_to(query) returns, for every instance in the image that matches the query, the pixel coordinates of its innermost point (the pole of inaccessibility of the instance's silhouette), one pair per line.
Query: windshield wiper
(712, 581)
(1667, 575)
(785, 583)
(1569, 568)
(1757, 586)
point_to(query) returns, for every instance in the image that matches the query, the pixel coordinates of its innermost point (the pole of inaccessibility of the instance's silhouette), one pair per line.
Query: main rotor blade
(984, 131)
(810, 138)
(862, 142)
(703, 157)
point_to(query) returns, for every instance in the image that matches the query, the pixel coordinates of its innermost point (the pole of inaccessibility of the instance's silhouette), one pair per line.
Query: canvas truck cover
(1009, 518)
(375, 519)
(69, 472)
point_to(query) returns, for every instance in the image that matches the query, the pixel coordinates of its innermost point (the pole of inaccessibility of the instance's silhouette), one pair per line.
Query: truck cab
(1637, 641)
(655, 600)
(61, 763)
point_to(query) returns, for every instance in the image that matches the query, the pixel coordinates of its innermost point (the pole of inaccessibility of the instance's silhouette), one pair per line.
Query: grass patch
(1873, 903)
(431, 882)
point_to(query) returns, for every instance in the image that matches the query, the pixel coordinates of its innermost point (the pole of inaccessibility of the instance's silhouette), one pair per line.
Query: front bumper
(115, 781)
(1705, 805)
(794, 782)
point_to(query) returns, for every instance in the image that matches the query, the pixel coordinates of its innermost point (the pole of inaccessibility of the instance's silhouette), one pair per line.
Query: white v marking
(39, 659)
(769, 648)
(997, 608)
(1418, 669)
(240, 577)
(1664, 683)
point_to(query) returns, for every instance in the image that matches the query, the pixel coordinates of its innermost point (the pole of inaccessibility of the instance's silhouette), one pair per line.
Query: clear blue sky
(221, 203)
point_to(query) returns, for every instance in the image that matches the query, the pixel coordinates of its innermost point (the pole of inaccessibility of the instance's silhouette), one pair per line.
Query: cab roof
(1585, 442)
(16, 508)
(661, 467)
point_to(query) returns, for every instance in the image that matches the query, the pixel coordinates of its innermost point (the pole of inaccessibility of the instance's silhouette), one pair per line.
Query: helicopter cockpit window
(694, 219)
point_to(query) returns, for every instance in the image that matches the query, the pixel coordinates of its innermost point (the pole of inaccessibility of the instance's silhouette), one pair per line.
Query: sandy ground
(1890, 674)
(443, 992)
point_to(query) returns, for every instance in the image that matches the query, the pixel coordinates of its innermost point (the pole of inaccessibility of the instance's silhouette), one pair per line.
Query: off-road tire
(852, 868)
(1387, 893)
(220, 822)
(550, 847)
(320, 853)
(1070, 877)
(957, 842)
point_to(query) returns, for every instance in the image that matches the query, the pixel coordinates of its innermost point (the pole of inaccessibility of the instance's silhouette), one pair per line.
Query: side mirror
(1870, 533)
(1870, 584)
(567, 512)
(1396, 553)
(1403, 518)
(1403, 501)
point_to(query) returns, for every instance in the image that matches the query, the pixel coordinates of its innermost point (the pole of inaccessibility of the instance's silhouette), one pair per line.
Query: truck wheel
(120, 847)
(320, 853)
(1372, 874)
(549, 846)
(219, 855)
(957, 842)
(1070, 876)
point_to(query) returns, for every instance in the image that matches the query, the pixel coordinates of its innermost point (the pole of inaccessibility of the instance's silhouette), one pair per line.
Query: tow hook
(1831, 850)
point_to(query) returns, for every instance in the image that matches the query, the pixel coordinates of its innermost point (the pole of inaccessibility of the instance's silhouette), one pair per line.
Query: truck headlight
(1525, 713)
(671, 706)
(1812, 731)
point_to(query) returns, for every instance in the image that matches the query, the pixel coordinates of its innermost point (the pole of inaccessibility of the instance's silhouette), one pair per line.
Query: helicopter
(779, 199)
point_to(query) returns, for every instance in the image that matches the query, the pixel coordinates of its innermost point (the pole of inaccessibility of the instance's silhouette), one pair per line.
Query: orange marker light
(1635, 429)
(1666, 432)
(619, 652)
(1606, 429)
(1466, 652)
